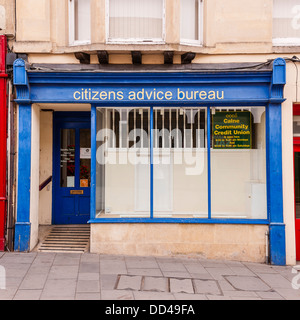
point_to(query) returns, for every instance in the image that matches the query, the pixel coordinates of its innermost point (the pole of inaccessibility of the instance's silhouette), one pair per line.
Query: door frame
(61, 117)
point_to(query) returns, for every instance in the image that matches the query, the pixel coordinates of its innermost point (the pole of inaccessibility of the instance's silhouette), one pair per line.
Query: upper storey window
(135, 21)
(191, 21)
(79, 22)
(286, 22)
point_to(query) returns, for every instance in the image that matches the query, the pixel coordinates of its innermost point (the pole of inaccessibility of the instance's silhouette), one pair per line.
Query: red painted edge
(3, 139)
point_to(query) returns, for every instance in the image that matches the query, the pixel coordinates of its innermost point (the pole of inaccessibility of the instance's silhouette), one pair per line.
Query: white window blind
(286, 22)
(191, 21)
(79, 21)
(136, 20)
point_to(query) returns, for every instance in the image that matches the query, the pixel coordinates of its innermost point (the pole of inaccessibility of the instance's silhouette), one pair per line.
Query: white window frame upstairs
(198, 42)
(72, 41)
(295, 20)
(110, 40)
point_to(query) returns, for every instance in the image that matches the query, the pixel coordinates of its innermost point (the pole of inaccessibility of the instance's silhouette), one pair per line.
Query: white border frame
(201, 27)
(72, 41)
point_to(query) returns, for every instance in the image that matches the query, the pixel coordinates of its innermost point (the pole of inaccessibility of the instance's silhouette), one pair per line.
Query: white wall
(34, 182)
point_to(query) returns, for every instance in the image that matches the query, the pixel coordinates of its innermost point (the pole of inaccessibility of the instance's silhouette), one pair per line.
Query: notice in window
(231, 130)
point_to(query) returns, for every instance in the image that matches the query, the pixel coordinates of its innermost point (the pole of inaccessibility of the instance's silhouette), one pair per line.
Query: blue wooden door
(71, 168)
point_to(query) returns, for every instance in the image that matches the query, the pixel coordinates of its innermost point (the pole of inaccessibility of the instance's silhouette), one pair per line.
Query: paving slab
(172, 266)
(145, 272)
(150, 295)
(66, 259)
(89, 267)
(137, 263)
(34, 281)
(117, 295)
(218, 273)
(88, 286)
(275, 280)
(28, 295)
(157, 284)
(59, 289)
(63, 272)
(110, 266)
(188, 296)
(269, 295)
(247, 283)
(89, 276)
(181, 286)
(87, 296)
(209, 287)
(129, 283)
(108, 281)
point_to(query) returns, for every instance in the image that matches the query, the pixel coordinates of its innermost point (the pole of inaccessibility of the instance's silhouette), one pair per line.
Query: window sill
(133, 41)
(180, 220)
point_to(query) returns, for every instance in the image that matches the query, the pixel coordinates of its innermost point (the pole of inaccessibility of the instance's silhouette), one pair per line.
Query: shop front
(158, 162)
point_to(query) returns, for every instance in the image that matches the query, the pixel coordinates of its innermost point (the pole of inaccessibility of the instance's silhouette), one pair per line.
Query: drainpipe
(3, 139)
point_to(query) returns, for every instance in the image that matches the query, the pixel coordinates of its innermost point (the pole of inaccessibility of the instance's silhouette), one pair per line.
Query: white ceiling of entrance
(65, 106)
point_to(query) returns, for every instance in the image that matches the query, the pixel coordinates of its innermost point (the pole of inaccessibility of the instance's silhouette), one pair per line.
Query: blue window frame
(152, 214)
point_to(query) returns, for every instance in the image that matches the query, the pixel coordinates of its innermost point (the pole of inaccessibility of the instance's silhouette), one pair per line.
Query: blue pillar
(22, 225)
(93, 162)
(274, 155)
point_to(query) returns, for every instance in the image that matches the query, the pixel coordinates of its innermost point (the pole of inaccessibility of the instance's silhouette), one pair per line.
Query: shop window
(79, 22)
(191, 21)
(286, 22)
(180, 188)
(155, 162)
(123, 166)
(135, 21)
(238, 163)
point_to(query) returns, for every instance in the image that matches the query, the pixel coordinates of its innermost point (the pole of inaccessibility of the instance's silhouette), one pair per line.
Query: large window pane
(238, 163)
(135, 19)
(286, 22)
(123, 162)
(180, 163)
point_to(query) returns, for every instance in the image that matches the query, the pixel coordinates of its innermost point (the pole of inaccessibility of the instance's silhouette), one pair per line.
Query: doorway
(71, 167)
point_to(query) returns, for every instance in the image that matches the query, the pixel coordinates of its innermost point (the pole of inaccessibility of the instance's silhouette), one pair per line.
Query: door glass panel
(85, 158)
(67, 158)
(297, 183)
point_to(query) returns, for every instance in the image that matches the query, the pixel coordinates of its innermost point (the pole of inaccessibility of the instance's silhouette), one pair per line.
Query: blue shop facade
(198, 146)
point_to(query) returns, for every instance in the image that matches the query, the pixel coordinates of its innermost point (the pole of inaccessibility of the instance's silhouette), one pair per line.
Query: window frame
(287, 41)
(135, 40)
(200, 27)
(211, 218)
(71, 21)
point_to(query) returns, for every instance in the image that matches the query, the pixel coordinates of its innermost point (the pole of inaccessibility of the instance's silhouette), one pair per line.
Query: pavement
(87, 276)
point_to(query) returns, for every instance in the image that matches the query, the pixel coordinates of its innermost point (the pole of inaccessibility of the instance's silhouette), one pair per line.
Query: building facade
(168, 126)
